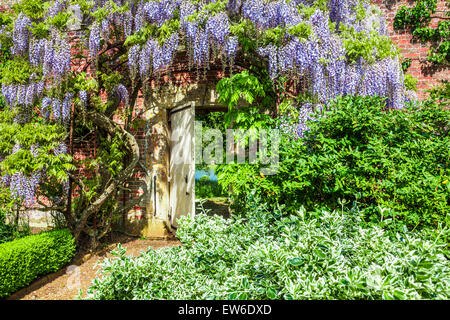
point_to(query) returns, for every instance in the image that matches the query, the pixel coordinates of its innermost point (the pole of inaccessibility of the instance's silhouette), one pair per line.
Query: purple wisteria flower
(45, 107)
(21, 34)
(94, 40)
(83, 97)
(61, 148)
(66, 108)
(56, 108)
(123, 93)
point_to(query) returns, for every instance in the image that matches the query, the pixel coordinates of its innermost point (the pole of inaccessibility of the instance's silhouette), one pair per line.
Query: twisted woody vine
(62, 82)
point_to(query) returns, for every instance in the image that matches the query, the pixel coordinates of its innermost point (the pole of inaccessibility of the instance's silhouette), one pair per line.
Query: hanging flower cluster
(122, 93)
(22, 97)
(21, 34)
(297, 40)
(20, 185)
(207, 36)
(51, 58)
(319, 63)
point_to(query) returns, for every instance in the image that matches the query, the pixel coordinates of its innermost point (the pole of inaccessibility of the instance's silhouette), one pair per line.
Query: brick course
(427, 74)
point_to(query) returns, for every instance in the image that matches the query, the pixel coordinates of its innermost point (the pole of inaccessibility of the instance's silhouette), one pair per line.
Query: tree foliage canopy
(75, 63)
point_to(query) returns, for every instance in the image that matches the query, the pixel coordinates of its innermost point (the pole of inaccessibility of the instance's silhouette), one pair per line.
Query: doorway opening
(210, 198)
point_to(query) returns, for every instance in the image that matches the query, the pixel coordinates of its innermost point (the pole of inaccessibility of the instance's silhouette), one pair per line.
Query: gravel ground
(66, 285)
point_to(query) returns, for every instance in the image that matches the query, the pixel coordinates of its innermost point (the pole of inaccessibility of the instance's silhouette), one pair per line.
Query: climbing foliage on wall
(417, 20)
(74, 64)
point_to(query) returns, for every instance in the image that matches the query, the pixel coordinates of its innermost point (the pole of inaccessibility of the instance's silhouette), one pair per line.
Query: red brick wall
(421, 69)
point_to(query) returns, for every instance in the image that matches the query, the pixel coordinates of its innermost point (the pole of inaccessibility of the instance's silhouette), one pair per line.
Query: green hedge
(206, 188)
(23, 260)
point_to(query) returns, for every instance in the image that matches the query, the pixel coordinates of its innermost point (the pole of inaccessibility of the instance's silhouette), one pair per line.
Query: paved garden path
(65, 284)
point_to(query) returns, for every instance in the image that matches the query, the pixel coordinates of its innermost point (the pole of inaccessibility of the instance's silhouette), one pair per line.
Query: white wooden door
(182, 166)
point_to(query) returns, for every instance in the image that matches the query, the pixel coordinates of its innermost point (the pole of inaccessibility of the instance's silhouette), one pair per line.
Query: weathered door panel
(182, 166)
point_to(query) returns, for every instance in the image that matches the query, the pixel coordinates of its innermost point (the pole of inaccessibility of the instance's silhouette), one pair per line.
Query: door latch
(186, 179)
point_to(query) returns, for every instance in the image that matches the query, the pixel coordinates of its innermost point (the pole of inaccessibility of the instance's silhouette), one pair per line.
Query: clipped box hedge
(23, 260)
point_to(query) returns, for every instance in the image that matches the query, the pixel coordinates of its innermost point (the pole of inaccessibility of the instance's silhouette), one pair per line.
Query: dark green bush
(206, 188)
(22, 260)
(6, 232)
(11, 231)
(359, 151)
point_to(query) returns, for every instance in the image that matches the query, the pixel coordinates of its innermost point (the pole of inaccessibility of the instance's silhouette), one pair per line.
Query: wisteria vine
(299, 40)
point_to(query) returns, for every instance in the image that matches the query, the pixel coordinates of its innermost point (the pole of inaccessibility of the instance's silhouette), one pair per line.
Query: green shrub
(22, 260)
(292, 257)
(12, 230)
(359, 151)
(205, 188)
(441, 93)
(6, 232)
